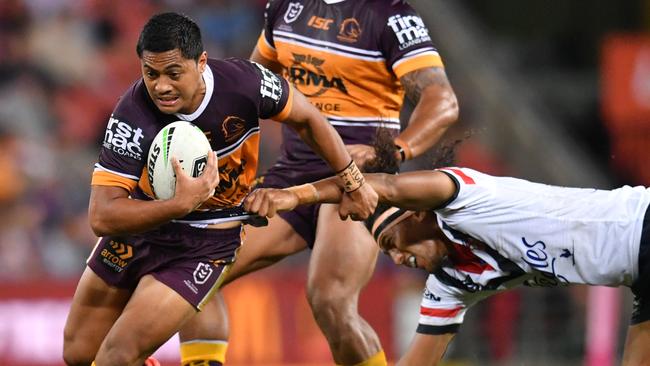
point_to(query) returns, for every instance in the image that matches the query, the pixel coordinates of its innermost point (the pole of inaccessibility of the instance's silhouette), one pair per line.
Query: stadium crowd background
(559, 94)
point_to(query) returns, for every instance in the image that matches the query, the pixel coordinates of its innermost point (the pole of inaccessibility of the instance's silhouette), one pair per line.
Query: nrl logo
(293, 11)
(202, 273)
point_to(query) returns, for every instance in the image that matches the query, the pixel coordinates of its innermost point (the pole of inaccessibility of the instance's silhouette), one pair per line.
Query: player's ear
(203, 61)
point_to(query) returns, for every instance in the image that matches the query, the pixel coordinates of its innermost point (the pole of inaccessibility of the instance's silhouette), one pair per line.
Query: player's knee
(119, 352)
(75, 352)
(71, 358)
(331, 307)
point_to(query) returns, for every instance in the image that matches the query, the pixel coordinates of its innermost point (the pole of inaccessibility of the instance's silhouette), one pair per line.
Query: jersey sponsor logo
(123, 139)
(430, 295)
(308, 77)
(293, 12)
(202, 272)
(117, 255)
(349, 30)
(409, 30)
(538, 259)
(327, 107)
(233, 128)
(319, 23)
(271, 86)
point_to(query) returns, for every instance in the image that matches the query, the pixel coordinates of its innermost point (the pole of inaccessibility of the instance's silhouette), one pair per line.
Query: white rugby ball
(182, 140)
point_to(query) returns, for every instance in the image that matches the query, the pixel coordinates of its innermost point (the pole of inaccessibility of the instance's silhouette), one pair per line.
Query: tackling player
(478, 235)
(157, 262)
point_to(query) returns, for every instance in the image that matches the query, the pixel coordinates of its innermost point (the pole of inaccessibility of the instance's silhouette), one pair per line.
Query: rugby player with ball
(159, 261)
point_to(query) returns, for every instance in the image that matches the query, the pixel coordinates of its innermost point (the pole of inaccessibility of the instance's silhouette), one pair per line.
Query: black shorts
(641, 287)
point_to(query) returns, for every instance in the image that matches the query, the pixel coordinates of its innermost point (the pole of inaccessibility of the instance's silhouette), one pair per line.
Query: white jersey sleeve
(442, 309)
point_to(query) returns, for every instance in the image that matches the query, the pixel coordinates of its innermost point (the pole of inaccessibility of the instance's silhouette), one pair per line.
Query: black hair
(385, 161)
(169, 31)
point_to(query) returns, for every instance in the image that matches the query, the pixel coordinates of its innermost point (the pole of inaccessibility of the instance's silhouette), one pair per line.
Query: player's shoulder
(234, 73)
(273, 6)
(232, 67)
(387, 8)
(135, 105)
(240, 77)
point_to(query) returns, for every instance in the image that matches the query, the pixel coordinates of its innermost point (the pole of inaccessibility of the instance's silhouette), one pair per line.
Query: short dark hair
(169, 31)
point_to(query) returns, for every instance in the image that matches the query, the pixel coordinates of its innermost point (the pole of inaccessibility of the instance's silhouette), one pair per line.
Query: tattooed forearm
(416, 81)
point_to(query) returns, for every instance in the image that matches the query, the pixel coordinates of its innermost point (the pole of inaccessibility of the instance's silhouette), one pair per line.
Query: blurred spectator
(62, 66)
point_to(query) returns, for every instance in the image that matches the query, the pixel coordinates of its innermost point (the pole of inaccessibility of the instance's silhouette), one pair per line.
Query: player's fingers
(176, 165)
(211, 169)
(248, 201)
(343, 213)
(272, 209)
(264, 207)
(253, 203)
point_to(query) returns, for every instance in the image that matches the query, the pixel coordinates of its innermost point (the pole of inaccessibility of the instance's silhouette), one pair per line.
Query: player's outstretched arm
(360, 200)
(112, 212)
(425, 350)
(418, 190)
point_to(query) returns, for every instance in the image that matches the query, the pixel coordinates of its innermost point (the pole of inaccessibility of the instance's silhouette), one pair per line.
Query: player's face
(414, 243)
(174, 83)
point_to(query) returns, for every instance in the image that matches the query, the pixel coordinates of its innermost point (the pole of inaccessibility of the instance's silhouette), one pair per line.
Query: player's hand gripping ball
(182, 140)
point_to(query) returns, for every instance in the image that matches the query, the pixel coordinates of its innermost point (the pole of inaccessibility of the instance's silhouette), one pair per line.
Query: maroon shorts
(189, 260)
(303, 218)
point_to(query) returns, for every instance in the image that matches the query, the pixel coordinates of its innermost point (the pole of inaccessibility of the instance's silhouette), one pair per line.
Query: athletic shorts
(189, 260)
(641, 287)
(303, 218)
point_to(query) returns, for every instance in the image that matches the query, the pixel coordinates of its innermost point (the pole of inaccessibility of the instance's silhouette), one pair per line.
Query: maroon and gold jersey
(347, 58)
(238, 94)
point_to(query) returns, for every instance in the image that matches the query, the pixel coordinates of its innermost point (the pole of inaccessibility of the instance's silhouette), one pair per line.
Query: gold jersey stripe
(104, 178)
(265, 49)
(417, 62)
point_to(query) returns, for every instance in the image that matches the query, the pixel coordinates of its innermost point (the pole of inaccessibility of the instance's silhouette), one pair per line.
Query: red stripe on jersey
(467, 179)
(440, 313)
(465, 260)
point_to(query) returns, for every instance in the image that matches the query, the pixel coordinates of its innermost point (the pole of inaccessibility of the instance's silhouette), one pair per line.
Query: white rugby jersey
(506, 232)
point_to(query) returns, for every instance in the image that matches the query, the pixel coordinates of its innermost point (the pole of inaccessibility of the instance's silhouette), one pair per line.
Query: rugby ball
(182, 140)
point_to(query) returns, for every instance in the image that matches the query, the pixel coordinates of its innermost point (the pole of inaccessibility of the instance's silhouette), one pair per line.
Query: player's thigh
(210, 323)
(264, 246)
(153, 314)
(95, 307)
(344, 254)
(637, 345)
